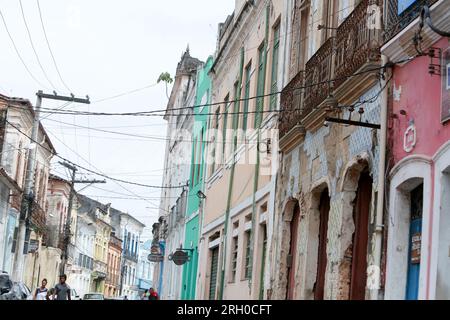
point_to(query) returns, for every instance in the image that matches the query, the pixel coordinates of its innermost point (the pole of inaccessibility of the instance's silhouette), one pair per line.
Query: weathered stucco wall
(330, 157)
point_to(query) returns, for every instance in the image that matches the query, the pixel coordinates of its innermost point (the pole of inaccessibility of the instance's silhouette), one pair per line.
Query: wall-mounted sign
(179, 257)
(416, 241)
(155, 257)
(409, 138)
(154, 249)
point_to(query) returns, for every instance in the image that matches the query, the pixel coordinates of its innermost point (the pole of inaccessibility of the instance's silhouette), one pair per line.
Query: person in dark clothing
(62, 290)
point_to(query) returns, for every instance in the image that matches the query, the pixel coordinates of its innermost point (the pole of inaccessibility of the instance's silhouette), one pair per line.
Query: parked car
(74, 295)
(12, 290)
(93, 296)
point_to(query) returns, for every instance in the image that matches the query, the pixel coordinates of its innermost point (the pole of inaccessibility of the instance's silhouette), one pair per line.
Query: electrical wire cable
(92, 171)
(33, 47)
(49, 47)
(19, 55)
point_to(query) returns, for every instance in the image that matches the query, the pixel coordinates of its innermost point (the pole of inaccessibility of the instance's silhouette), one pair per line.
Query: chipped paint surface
(330, 157)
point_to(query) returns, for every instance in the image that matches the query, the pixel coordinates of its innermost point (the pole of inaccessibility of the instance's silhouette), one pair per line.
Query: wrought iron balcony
(38, 217)
(291, 104)
(317, 75)
(356, 43)
(398, 18)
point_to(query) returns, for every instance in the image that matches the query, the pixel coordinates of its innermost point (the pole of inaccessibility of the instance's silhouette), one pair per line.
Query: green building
(196, 184)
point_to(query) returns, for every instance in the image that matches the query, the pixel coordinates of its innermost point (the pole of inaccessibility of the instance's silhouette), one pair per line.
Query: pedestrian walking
(50, 294)
(153, 295)
(41, 292)
(62, 290)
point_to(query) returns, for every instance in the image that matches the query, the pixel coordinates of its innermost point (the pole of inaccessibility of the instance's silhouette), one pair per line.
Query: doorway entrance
(361, 212)
(415, 240)
(292, 253)
(324, 209)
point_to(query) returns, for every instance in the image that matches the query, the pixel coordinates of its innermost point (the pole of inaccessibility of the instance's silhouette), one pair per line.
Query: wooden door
(292, 253)
(324, 209)
(361, 212)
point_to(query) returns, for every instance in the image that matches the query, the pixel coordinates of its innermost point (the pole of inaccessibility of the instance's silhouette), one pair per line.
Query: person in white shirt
(41, 292)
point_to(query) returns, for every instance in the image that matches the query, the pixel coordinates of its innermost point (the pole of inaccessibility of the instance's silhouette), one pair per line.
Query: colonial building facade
(328, 179)
(174, 195)
(16, 124)
(417, 218)
(236, 228)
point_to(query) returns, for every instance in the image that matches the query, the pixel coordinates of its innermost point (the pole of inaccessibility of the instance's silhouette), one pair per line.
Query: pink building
(417, 252)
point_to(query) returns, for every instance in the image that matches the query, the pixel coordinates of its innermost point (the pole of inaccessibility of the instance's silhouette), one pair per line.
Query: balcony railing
(397, 19)
(291, 104)
(357, 42)
(317, 75)
(38, 218)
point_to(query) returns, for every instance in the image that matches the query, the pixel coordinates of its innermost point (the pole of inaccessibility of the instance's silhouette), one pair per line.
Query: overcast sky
(104, 48)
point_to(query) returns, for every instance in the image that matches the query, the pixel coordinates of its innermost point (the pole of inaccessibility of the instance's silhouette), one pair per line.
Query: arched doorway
(324, 209)
(292, 253)
(361, 212)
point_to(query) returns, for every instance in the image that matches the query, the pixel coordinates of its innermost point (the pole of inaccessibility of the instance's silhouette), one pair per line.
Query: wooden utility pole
(24, 229)
(67, 231)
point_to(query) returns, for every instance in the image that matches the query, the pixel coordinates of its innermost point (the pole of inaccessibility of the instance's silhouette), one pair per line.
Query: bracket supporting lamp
(201, 195)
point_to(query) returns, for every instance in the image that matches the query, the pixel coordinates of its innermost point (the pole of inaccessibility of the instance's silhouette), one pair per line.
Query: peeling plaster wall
(330, 157)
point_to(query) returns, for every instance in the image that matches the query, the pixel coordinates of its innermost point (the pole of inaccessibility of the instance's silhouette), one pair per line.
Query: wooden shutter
(274, 76)
(360, 237)
(214, 269)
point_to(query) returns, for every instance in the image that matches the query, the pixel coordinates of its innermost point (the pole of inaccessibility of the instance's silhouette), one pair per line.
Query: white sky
(104, 48)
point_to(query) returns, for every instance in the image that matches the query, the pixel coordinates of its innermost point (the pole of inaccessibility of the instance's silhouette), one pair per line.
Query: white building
(144, 268)
(129, 230)
(79, 276)
(176, 174)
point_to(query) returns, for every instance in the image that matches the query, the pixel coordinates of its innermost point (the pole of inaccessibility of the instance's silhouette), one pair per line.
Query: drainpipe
(230, 188)
(381, 183)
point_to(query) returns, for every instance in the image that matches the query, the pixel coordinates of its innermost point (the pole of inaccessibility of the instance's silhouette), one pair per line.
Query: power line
(18, 53)
(50, 49)
(92, 171)
(32, 46)
(158, 112)
(125, 93)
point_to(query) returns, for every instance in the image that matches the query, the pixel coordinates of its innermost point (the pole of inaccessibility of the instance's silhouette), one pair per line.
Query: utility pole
(26, 206)
(67, 231)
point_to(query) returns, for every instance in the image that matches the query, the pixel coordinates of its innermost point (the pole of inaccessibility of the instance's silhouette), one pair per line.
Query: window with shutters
(274, 75)
(260, 87)
(199, 158)
(248, 267)
(248, 71)
(213, 276)
(236, 110)
(216, 131)
(234, 254)
(224, 128)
